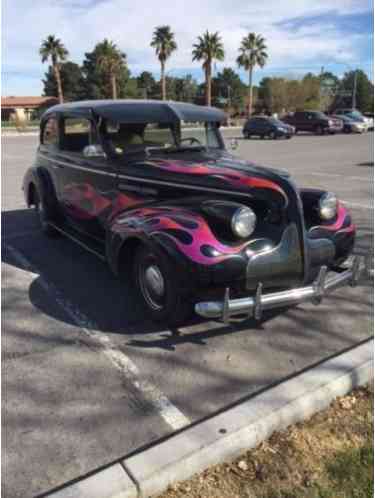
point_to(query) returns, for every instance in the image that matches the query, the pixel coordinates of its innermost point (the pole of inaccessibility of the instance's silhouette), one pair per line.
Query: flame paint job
(235, 178)
(172, 220)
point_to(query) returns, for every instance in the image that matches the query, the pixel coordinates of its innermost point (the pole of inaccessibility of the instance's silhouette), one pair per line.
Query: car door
(49, 149)
(87, 185)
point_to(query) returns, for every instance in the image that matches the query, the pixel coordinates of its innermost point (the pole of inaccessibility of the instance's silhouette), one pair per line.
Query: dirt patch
(328, 456)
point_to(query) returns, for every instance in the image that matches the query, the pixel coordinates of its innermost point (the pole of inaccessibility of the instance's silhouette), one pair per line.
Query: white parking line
(170, 413)
(356, 205)
(337, 175)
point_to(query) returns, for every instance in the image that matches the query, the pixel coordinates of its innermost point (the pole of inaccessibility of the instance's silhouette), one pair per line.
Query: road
(87, 379)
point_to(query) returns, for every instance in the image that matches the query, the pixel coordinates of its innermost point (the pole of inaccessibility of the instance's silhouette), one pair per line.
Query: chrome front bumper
(252, 307)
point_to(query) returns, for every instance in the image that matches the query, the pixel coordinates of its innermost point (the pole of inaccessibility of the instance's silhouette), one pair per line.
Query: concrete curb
(227, 435)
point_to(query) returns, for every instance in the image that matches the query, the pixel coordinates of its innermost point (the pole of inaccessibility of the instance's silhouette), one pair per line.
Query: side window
(77, 134)
(158, 134)
(50, 132)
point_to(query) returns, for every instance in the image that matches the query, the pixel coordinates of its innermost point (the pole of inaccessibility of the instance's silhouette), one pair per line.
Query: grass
(327, 456)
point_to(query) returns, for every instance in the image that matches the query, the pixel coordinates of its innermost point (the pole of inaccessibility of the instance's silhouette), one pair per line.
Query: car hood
(221, 171)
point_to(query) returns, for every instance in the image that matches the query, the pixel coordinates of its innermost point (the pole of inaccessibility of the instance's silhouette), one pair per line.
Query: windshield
(277, 122)
(320, 115)
(127, 138)
(355, 115)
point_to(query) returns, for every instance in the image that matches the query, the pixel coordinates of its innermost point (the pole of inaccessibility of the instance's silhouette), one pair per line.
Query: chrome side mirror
(234, 143)
(94, 151)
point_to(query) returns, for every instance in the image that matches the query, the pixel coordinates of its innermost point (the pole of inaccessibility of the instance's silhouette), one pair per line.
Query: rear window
(50, 132)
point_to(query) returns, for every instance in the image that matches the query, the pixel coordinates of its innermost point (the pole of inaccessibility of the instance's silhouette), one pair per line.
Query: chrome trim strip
(77, 241)
(181, 185)
(75, 166)
(147, 180)
(252, 306)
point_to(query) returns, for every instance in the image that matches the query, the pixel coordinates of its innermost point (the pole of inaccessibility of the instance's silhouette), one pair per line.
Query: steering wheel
(192, 140)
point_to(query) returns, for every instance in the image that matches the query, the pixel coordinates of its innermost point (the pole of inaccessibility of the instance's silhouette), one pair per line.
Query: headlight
(280, 128)
(243, 222)
(328, 206)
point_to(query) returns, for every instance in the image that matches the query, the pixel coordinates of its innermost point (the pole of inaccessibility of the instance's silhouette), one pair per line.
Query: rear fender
(41, 180)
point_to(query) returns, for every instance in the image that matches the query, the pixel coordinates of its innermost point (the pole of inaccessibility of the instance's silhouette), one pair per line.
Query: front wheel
(272, 135)
(319, 130)
(160, 288)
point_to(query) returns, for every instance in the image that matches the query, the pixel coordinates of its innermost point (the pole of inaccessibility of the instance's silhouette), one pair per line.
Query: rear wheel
(43, 217)
(160, 288)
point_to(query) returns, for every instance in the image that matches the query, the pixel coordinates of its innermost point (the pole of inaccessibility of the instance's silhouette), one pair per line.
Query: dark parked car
(263, 126)
(314, 121)
(148, 187)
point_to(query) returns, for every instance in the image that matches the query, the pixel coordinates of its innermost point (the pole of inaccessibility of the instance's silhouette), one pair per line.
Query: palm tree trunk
(56, 70)
(208, 84)
(114, 86)
(163, 83)
(250, 108)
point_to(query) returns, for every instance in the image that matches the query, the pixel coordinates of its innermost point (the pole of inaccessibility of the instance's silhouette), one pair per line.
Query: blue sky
(302, 35)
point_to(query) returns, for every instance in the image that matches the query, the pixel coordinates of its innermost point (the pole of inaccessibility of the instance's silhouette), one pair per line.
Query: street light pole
(354, 94)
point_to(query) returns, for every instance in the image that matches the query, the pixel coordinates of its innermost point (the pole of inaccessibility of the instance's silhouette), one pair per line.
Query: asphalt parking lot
(88, 380)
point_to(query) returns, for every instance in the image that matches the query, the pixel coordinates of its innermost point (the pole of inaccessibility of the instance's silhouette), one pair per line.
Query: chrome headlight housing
(243, 222)
(328, 206)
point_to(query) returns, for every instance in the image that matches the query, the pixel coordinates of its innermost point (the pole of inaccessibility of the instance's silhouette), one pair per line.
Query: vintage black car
(149, 187)
(264, 126)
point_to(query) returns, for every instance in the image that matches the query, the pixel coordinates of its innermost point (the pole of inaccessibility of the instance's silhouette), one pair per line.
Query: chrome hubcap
(153, 286)
(155, 280)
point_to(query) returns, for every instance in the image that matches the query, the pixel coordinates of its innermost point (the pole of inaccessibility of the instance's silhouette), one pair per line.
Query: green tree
(71, 79)
(96, 81)
(253, 52)
(146, 84)
(208, 48)
(228, 87)
(52, 48)
(111, 60)
(364, 95)
(164, 44)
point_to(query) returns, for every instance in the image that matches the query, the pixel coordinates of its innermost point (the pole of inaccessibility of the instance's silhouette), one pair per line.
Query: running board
(75, 237)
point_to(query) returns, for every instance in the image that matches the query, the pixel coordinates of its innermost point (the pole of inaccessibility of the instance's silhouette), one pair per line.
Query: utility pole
(320, 87)
(354, 93)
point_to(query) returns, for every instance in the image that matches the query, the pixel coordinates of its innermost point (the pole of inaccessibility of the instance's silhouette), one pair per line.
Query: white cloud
(82, 23)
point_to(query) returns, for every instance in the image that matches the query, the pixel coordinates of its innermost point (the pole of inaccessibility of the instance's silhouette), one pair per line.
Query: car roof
(139, 111)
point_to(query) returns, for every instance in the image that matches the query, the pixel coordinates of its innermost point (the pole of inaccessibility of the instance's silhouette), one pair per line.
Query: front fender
(340, 230)
(182, 233)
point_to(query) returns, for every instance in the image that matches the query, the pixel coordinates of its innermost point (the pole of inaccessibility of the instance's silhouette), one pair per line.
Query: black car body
(263, 126)
(149, 187)
(313, 121)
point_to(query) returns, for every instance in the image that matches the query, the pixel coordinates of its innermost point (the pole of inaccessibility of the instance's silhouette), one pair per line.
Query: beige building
(24, 108)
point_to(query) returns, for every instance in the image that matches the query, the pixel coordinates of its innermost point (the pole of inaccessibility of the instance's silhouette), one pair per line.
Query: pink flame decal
(234, 177)
(341, 215)
(167, 219)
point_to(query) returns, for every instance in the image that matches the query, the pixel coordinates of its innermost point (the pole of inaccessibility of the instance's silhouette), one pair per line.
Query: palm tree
(208, 48)
(164, 44)
(111, 60)
(253, 52)
(52, 48)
